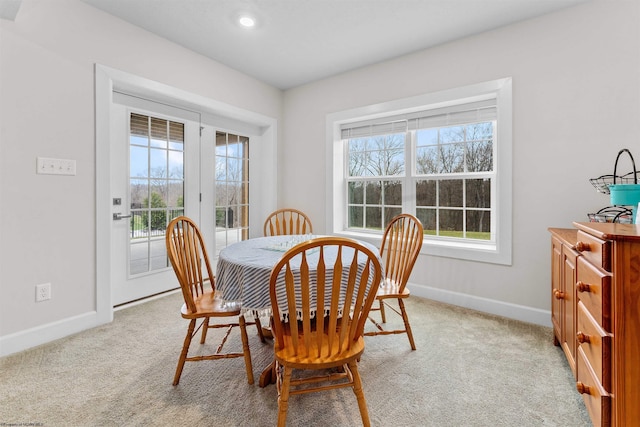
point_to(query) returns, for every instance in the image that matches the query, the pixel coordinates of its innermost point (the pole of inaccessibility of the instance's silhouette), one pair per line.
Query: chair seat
(392, 290)
(208, 306)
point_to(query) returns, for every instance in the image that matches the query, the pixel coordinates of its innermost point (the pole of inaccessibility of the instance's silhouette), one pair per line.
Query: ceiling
(299, 41)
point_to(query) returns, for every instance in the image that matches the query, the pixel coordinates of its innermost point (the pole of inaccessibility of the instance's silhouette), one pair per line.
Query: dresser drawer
(595, 342)
(597, 251)
(593, 287)
(596, 399)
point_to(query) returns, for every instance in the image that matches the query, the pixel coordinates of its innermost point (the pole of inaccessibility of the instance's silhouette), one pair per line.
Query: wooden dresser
(595, 310)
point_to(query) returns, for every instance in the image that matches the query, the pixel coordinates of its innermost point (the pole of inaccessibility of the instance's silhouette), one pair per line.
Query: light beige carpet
(469, 369)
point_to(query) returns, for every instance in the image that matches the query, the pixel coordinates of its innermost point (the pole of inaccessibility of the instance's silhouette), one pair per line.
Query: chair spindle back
(286, 222)
(401, 245)
(323, 308)
(187, 252)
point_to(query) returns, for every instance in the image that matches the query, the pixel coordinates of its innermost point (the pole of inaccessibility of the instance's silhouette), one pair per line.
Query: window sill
(487, 253)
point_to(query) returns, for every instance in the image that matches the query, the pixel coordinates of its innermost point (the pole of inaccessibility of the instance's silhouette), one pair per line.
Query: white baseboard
(486, 305)
(43, 334)
(23, 340)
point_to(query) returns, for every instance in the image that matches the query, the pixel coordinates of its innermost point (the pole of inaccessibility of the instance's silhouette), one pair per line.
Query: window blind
(364, 129)
(139, 126)
(471, 112)
(159, 129)
(176, 132)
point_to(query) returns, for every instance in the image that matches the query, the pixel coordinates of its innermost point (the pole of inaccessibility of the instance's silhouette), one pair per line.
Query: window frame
(498, 251)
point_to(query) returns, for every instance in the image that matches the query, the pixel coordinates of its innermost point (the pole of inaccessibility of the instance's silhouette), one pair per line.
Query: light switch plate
(50, 166)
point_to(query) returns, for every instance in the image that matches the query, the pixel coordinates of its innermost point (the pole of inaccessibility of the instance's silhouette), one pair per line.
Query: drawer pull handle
(582, 337)
(583, 287)
(582, 247)
(558, 294)
(582, 388)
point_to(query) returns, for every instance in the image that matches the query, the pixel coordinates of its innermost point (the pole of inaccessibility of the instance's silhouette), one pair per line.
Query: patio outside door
(155, 177)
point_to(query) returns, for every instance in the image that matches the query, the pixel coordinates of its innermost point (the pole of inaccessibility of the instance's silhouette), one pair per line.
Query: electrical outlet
(43, 292)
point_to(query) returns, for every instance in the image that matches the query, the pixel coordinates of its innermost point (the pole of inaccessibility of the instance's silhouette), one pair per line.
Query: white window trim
(500, 253)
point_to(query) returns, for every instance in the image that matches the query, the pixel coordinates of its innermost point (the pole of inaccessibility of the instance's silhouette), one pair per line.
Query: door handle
(118, 216)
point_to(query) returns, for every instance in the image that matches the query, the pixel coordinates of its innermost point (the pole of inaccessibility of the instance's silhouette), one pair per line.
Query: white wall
(47, 223)
(576, 94)
(576, 103)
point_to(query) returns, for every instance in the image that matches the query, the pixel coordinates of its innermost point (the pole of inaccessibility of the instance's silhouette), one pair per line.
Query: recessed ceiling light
(247, 21)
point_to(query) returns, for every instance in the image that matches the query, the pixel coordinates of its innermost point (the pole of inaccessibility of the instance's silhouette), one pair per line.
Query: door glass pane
(159, 133)
(176, 194)
(156, 188)
(139, 192)
(232, 189)
(158, 160)
(139, 161)
(176, 160)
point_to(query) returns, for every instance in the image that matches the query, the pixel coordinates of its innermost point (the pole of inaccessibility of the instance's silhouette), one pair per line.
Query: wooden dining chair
(287, 221)
(188, 256)
(321, 293)
(401, 244)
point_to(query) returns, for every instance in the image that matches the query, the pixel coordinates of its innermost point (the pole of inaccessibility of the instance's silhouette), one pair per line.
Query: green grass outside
(458, 234)
(452, 233)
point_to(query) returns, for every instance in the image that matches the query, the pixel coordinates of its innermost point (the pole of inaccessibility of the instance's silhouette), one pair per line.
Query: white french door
(155, 176)
(112, 261)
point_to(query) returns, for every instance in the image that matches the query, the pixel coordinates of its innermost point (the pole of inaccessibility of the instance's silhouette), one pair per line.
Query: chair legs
(191, 331)
(259, 326)
(283, 395)
(407, 326)
(185, 350)
(245, 349)
(405, 319)
(205, 328)
(357, 390)
(284, 382)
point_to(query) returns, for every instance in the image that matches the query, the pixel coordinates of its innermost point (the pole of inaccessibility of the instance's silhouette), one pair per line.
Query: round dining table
(244, 269)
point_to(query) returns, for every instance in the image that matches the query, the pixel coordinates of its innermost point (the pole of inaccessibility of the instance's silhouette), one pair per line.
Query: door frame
(264, 197)
(125, 286)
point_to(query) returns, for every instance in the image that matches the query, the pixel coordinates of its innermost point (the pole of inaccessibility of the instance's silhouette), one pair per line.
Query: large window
(443, 157)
